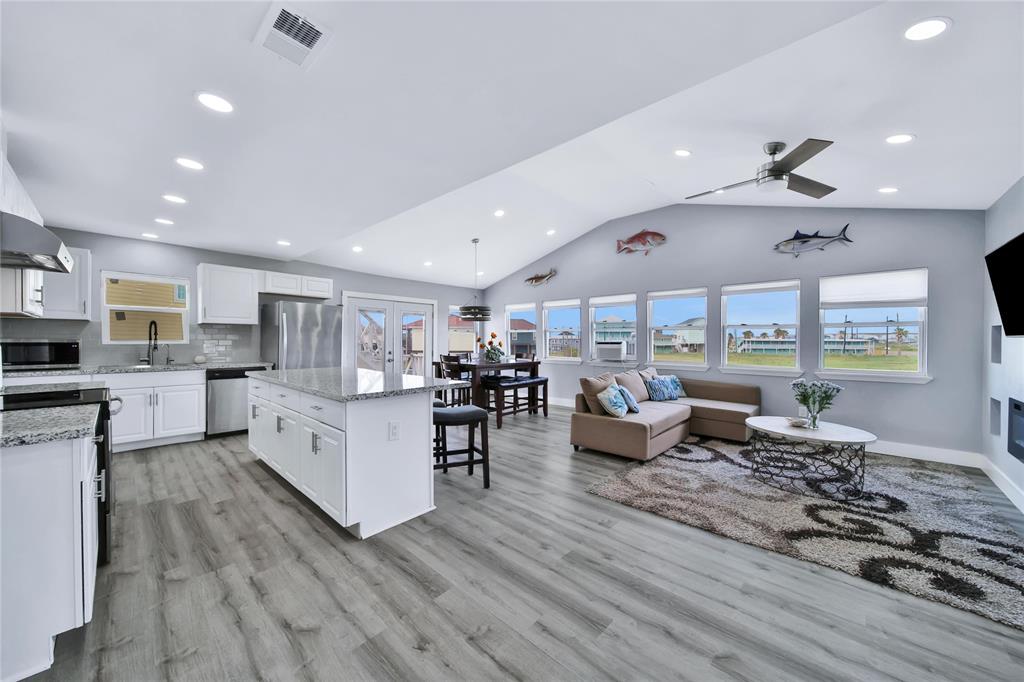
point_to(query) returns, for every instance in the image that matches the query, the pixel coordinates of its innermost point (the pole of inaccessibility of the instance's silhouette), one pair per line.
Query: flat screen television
(1005, 267)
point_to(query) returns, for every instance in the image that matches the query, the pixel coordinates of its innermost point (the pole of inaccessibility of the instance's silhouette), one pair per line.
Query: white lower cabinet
(308, 453)
(135, 420)
(179, 410)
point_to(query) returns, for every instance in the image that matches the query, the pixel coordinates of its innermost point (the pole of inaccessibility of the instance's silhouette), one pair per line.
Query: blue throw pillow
(631, 404)
(661, 388)
(677, 385)
(612, 402)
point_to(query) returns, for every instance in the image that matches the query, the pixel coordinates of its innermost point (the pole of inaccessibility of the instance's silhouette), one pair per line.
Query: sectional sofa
(710, 408)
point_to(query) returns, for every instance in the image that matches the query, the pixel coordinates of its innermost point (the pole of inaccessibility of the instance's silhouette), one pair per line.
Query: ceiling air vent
(291, 36)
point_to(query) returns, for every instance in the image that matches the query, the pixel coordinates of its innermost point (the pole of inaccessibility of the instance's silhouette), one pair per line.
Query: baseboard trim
(562, 402)
(963, 458)
(1012, 491)
(157, 442)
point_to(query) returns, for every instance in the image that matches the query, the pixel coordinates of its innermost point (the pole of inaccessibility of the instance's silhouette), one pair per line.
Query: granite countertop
(126, 369)
(46, 424)
(348, 383)
(38, 388)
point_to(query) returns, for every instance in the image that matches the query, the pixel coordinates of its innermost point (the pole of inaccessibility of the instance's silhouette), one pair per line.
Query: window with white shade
(521, 329)
(613, 327)
(874, 322)
(677, 326)
(132, 304)
(761, 326)
(562, 332)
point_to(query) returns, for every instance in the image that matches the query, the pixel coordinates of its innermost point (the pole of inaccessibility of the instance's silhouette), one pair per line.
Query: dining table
(475, 369)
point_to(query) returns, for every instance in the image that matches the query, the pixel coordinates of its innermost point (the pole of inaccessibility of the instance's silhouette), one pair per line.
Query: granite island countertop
(127, 369)
(345, 384)
(38, 388)
(46, 424)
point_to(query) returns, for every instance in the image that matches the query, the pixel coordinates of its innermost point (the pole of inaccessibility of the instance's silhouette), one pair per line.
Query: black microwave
(25, 354)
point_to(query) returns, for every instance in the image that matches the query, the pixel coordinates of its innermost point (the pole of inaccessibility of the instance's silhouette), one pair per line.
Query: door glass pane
(413, 329)
(370, 344)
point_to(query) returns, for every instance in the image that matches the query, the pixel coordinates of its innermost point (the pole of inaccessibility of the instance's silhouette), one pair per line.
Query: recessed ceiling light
(150, 235)
(427, 263)
(357, 249)
(283, 242)
(480, 274)
(215, 102)
(550, 232)
(719, 191)
(682, 152)
(928, 28)
(174, 199)
(899, 138)
(163, 221)
(191, 164)
(888, 190)
(500, 212)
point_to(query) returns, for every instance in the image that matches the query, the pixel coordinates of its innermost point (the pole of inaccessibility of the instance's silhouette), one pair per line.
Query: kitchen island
(356, 442)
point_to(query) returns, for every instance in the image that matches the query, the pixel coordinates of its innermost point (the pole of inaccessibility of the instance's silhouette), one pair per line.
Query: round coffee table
(825, 462)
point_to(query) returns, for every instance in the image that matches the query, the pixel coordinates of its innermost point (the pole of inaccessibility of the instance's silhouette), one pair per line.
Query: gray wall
(1003, 221)
(715, 245)
(236, 342)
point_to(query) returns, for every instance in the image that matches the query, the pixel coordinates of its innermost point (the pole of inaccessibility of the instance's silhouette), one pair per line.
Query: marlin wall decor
(802, 243)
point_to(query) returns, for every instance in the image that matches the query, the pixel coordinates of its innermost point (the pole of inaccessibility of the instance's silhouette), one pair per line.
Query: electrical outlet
(392, 430)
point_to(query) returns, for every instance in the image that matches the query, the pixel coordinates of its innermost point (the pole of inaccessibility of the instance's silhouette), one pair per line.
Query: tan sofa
(710, 408)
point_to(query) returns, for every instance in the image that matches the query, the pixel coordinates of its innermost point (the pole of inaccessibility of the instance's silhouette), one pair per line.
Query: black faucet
(151, 341)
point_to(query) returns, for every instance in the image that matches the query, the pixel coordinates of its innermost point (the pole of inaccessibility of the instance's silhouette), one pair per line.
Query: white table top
(827, 432)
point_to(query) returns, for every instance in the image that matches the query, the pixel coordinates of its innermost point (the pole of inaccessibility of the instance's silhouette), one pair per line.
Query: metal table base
(834, 471)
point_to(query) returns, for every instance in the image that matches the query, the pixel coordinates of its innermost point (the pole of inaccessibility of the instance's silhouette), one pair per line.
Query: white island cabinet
(49, 536)
(354, 442)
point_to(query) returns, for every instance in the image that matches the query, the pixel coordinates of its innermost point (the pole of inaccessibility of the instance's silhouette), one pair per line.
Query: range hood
(24, 242)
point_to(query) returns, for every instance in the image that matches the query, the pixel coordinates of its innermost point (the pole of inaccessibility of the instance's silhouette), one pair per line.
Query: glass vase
(812, 419)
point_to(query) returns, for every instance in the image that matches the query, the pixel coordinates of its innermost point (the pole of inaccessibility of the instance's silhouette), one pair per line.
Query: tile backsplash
(223, 342)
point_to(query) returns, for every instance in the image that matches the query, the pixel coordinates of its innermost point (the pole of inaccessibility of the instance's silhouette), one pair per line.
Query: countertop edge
(348, 397)
(83, 427)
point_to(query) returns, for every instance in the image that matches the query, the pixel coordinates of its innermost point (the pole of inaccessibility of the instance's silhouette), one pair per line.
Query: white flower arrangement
(815, 396)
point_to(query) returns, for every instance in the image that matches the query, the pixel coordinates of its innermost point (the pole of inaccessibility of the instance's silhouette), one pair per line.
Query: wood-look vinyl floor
(222, 572)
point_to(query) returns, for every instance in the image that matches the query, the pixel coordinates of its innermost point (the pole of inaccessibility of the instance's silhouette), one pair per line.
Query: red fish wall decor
(644, 240)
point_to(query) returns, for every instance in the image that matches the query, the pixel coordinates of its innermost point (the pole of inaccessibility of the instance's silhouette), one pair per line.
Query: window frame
(595, 302)
(883, 375)
(105, 307)
(453, 310)
(652, 297)
(755, 288)
(519, 307)
(547, 306)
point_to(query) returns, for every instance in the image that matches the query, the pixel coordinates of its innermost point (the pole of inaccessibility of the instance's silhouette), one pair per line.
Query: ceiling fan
(777, 175)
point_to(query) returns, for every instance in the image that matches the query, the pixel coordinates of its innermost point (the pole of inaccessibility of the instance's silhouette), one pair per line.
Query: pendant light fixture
(472, 312)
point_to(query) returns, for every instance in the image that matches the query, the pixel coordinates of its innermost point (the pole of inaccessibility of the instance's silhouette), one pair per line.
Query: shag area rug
(920, 527)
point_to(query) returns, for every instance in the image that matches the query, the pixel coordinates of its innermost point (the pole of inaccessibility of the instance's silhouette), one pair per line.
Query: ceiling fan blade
(811, 188)
(802, 153)
(723, 189)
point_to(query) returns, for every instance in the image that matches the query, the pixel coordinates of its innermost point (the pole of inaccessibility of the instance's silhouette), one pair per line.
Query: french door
(394, 337)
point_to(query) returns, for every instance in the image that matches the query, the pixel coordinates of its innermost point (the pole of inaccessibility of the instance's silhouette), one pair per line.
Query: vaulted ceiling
(419, 120)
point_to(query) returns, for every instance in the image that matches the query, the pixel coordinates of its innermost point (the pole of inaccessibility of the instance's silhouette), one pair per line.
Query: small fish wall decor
(537, 280)
(644, 240)
(803, 243)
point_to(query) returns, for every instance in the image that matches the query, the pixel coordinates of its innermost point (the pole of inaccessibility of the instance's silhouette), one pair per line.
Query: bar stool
(451, 368)
(499, 386)
(463, 415)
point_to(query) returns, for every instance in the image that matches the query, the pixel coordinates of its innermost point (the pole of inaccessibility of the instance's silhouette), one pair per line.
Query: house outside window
(613, 321)
(760, 327)
(521, 329)
(563, 338)
(130, 302)
(677, 326)
(461, 333)
(874, 323)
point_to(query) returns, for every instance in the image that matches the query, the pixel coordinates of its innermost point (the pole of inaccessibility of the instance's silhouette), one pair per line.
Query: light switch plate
(393, 431)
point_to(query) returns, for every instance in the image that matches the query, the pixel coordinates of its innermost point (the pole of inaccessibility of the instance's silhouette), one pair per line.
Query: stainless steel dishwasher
(226, 399)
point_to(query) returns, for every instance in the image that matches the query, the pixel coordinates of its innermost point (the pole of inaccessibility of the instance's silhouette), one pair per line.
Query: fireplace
(1015, 429)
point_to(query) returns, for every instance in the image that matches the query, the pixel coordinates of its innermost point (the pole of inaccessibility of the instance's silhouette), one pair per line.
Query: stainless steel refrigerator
(299, 335)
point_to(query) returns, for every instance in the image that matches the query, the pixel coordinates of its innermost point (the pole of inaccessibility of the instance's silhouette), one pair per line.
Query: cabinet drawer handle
(316, 442)
(100, 480)
(282, 395)
(280, 427)
(316, 407)
(254, 411)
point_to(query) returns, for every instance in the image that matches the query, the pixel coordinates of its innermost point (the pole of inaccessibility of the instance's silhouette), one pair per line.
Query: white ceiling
(408, 101)
(855, 83)
(413, 125)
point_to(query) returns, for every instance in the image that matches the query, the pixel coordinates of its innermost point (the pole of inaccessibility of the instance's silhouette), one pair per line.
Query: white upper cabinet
(21, 292)
(69, 296)
(317, 287)
(282, 283)
(228, 295)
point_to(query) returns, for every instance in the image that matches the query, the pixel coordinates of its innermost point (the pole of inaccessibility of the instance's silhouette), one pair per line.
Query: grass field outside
(680, 358)
(756, 360)
(891, 362)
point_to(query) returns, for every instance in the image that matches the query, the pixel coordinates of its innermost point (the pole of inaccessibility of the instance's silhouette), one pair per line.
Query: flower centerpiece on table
(493, 350)
(816, 397)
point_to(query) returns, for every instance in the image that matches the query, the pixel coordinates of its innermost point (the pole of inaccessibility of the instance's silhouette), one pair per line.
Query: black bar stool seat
(463, 415)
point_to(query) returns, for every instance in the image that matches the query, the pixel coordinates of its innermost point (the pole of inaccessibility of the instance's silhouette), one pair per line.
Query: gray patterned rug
(920, 527)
